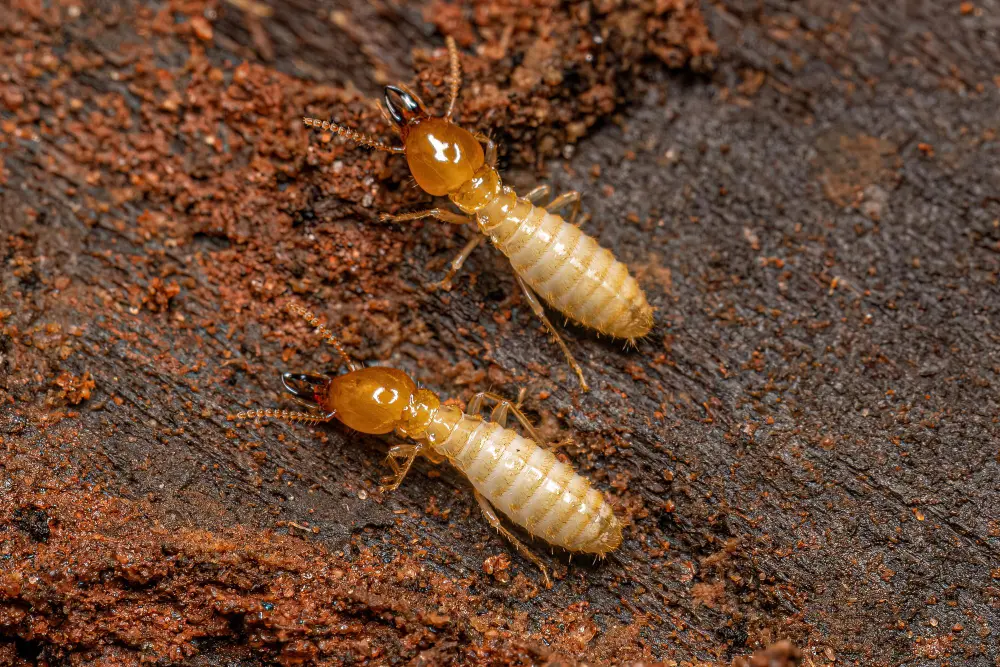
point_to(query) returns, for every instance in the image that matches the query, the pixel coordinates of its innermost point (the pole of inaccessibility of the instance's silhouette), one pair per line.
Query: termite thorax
(418, 414)
(478, 191)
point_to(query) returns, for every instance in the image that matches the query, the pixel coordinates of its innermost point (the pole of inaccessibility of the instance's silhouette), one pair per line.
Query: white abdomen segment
(567, 268)
(532, 488)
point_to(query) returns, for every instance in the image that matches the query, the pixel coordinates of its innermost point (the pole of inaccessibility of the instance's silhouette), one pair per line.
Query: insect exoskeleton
(550, 256)
(510, 472)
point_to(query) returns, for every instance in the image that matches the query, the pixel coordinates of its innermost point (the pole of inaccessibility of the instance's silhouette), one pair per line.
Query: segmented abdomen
(528, 484)
(567, 268)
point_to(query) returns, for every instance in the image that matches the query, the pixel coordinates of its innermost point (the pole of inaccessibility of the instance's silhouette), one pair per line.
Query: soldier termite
(550, 256)
(508, 471)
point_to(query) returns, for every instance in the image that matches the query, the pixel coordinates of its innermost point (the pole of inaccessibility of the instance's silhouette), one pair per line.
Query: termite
(511, 473)
(550, 256)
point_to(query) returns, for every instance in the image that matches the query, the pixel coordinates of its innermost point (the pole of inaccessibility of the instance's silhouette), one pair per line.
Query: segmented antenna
(353, 135)
(456, 73)
(284, 415)
(309, 317)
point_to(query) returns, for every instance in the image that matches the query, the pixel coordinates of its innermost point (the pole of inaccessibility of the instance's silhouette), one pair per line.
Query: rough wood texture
(806, 447)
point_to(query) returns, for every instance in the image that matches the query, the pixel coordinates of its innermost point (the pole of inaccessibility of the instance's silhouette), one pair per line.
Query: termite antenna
(455, 79)
(309, 317)
(353, 135)
(281, 415)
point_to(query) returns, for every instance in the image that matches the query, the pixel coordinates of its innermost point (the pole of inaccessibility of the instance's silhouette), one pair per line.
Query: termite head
(441, 155)
(374, 400)
(370, 400)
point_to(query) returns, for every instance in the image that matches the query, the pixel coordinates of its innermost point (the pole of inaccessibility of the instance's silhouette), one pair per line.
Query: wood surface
(806, 447)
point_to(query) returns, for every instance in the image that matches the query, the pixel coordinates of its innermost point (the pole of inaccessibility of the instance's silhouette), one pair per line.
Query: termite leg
(563, 200)
(503, 406)
(536, 306)
(444, 216)
(476, 404)
(499, 414)
(456, 264)
(538, 194)
(439, 213)
(494, 521)
(405, 452)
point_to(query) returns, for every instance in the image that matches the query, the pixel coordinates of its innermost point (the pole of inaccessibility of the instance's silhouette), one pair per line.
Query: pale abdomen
(567, 268)
(531, 487)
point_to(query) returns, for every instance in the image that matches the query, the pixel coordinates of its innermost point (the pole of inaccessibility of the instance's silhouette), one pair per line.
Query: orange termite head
(441, 155)
(369, 400)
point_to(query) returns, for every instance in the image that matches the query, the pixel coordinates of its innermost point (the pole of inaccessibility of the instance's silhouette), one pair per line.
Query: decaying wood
(806, 447)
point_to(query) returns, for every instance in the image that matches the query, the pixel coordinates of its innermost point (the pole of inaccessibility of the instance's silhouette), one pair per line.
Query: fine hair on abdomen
(532, 488)
(568, 268)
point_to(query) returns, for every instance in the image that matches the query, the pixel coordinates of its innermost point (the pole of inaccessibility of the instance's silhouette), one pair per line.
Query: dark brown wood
(807, 446)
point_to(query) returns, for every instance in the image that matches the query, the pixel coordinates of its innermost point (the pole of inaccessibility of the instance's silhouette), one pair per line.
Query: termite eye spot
(403, 105)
